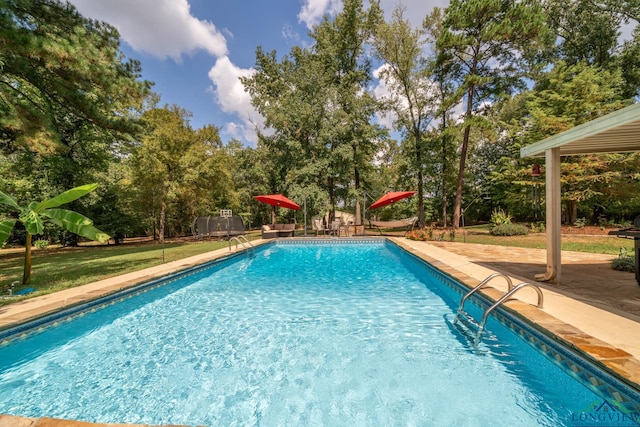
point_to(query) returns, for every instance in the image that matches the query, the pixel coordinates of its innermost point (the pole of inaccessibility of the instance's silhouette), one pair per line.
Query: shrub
(580, 222)
(602, 221)
(537, 228)
(41, 244)
(624, 262)
(420, 234)
(509, 230)
(622, 224)
(500, 217)
(67, 239)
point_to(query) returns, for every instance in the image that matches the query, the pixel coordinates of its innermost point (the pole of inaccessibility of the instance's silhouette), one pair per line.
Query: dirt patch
(589, 230)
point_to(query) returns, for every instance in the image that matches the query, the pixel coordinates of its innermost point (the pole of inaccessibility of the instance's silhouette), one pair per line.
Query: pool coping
(615, 361)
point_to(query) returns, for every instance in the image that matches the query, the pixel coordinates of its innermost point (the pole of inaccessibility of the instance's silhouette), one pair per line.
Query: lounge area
(278, 230)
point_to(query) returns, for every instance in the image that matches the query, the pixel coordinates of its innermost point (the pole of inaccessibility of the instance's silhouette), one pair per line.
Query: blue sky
(196, 50)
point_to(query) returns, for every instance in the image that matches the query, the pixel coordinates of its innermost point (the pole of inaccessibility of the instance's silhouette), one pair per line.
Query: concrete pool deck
(595, 309)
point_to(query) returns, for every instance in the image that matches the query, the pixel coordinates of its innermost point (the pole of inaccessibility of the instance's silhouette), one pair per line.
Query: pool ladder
(251, 250)
(472, 323)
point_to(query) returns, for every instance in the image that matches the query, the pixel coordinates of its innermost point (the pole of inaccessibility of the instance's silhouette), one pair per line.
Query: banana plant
(35, 215)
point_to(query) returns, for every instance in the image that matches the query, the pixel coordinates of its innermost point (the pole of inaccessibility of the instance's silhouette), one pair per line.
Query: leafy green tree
(291, 95)
(179, 173)
(566, 96)
(447, 98)
(341, 47)
(68, 101)
(59, 67)
(315, 100)
(589, 31)
(209, 175)
(114, 206)
(569, 96)
(628, 60)
(586, 32)
(490, 44)
(34, 216)
(155, 163)
(413, 96)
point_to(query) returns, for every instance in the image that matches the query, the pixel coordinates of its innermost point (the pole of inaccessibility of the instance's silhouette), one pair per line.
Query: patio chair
(337, 227)
(319, 227)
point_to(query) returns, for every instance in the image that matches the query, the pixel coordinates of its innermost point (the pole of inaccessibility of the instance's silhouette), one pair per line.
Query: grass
(593, 244)
(57, 269)
(63, 268)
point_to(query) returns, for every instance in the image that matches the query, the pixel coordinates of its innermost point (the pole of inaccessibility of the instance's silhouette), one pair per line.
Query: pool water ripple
(297, 335)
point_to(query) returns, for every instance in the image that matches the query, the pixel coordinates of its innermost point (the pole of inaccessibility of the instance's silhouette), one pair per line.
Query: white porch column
(554, 217)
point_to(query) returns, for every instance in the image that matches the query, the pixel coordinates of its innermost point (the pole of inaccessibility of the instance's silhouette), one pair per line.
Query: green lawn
(594, 244)
(57, 269)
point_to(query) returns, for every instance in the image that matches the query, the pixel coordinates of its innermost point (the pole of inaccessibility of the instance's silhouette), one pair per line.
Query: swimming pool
(300, 334)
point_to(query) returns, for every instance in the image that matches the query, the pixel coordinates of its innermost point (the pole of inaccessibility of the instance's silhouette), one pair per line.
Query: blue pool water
(335, 335)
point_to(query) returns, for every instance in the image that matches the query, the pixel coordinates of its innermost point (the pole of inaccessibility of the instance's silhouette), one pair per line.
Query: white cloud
(288, 33)
(382, 92)
(232, 98)
(415, 10)
(313, 11)
(162, 28)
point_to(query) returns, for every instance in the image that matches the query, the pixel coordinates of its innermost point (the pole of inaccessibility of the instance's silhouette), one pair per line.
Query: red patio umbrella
(391, 197)
(278, 200)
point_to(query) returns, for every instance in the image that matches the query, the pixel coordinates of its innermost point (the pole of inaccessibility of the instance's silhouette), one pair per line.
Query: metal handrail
(481, 285)
(237, 240)
(506, 297)
(502, 300)
(511, 290)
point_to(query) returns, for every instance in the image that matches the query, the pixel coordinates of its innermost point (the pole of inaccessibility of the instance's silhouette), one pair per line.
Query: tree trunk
(162, 213)
(356, 172)
(457, 210)
(571, 214)
(444, 170)
(26, 274)
(418, 138)
(421, 219)
(332, 202)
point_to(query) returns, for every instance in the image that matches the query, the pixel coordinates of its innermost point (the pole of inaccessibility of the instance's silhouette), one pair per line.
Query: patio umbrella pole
(364, 215)
(305, 216)
(464, 235)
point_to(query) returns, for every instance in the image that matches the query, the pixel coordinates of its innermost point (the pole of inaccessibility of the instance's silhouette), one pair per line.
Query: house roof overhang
(617, 132)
